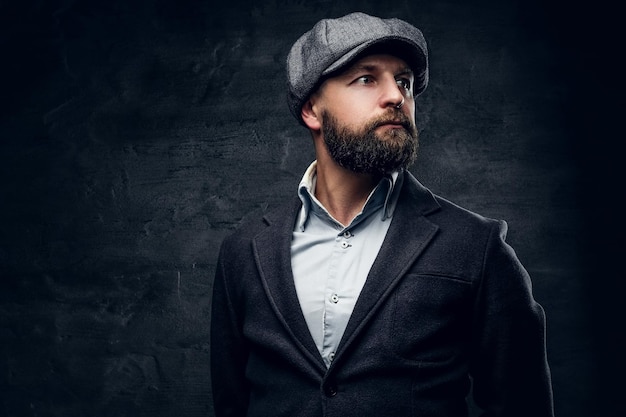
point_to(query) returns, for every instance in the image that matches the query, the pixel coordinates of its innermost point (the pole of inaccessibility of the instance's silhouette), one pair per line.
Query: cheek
(409, 110)
(350, 115)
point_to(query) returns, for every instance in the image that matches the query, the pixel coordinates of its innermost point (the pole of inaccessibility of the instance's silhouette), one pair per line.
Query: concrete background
(135, 135)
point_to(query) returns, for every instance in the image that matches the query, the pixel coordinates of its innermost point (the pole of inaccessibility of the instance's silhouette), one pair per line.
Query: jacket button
(331, 390)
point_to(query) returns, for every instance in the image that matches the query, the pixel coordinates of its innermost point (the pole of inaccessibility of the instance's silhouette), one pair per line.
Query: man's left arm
(509, 366)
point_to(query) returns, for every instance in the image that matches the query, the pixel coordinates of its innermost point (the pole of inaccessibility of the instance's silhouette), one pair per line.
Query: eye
(404, 83)
(364, 79)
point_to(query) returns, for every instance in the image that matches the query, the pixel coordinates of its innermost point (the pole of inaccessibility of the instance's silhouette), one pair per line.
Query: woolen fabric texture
(332, 44)
(445, 299)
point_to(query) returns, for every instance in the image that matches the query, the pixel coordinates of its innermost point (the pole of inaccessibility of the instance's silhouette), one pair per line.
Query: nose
(392, 94)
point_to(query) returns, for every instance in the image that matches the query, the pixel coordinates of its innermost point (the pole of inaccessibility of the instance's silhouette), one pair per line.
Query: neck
(342, 191)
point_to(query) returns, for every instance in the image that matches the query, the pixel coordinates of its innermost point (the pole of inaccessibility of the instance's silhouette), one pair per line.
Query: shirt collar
(385, 193)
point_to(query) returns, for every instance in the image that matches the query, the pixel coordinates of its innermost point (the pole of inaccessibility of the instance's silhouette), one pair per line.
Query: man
(367, 295)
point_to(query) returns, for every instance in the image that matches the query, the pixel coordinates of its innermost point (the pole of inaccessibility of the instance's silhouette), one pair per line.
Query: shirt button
(345, 245)
(347, 234)
(331, 356)
(334, 298)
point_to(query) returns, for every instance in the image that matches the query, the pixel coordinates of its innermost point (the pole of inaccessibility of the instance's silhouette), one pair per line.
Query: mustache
(392, 116)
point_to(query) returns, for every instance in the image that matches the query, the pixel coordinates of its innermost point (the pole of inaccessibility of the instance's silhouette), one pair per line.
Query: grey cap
(332, 44)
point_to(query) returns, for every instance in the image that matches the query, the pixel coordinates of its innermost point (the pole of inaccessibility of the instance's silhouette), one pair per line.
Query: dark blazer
(446, 299)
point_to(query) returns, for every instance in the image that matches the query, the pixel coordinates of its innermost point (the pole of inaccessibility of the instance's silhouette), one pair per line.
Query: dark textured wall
(136, 134)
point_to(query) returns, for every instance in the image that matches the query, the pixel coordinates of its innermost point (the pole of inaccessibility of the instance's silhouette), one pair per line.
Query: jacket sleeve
(228, 347)
(509, 367)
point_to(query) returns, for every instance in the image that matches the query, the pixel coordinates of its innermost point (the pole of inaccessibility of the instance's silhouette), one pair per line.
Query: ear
(309, 114)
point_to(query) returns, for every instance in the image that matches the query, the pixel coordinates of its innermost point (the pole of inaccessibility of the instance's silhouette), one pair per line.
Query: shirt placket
(335, 316)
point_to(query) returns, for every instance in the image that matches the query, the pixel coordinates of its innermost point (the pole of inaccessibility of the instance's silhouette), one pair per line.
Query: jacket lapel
(272, 249)
(408, 235)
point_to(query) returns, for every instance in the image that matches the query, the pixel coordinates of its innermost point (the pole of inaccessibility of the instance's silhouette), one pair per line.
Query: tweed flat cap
(332, 44)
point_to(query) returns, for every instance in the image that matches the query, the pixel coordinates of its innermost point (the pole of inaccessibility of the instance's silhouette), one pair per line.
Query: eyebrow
(371, 68)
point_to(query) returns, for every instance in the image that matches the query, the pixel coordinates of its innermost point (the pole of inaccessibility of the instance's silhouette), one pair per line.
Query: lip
(392, 124)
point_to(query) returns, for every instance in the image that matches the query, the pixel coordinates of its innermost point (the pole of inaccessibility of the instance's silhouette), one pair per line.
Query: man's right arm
(228, 348)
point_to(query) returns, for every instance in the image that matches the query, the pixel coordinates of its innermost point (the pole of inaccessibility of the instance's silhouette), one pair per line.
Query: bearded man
(368, 295)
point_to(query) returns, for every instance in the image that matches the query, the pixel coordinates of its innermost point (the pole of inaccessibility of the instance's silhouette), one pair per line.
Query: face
(363, 125)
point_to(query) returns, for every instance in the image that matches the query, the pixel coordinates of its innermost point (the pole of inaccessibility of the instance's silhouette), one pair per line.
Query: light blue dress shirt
(330, 261)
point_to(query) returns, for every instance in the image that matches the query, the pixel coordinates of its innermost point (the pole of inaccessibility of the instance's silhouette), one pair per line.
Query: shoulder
(446, 214)
(454, 214)
(280, 217)
(465, 242)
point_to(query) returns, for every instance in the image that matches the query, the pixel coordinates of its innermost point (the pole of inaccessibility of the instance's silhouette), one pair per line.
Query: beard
(368, 152)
